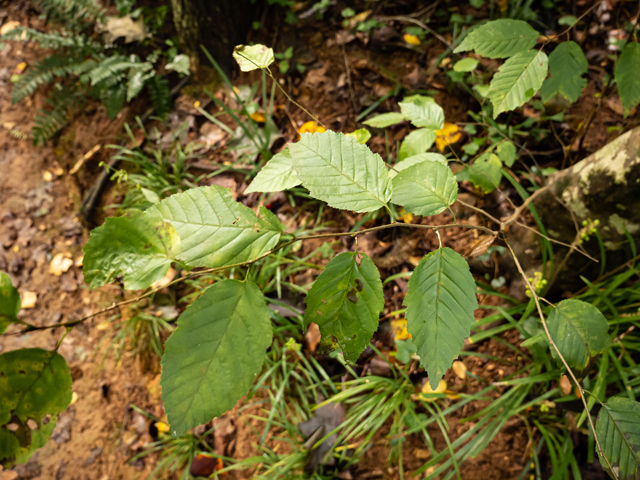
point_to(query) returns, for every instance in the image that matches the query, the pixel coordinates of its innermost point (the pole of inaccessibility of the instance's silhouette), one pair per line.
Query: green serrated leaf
(627, 74)
(362, 135)
(506, 152)
(579, 330)
(423, 113)
(214, 229)
(440, 305)
(211, 359)
(276, 175)
(517, 80)
(486, 172)
(499, 38)
(567, 64)
(270, 217)
(35, 383)
(618, 431)
(415, 159)
(253, 57)
(338, 170)
(426, 188)
(418, 141)
(9, 302)
(38, 439)
(345, 301)
(385, 120)
(138, 245)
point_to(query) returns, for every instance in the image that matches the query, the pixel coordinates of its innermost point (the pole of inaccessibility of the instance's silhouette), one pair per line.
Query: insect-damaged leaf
(345, 301)
(138, 245)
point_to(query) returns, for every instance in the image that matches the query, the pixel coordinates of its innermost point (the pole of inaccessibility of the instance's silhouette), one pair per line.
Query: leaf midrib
(626, 442)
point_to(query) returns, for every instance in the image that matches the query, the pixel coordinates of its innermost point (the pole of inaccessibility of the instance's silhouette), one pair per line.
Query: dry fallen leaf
(60, 264)
(448, 135)
(481, 246)
(411, 39)
(426, 390)
(74, 398)
(117, 27)
(164, 281)
(7, 27)
(565, 385)
(399, 329)
(460, 369)
(20, 68)
(29, 300)
(313, 336)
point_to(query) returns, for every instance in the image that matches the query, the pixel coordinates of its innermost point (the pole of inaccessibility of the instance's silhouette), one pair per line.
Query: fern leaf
(45, 71)
(54, 40)
(74, 14)
(48, 122)
(160, 95)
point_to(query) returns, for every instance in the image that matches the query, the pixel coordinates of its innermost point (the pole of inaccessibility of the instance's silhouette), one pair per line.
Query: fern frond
(48, 122)
(72, 13)
(44, 72)
(113, 66)
(160, 95)
(55, 40)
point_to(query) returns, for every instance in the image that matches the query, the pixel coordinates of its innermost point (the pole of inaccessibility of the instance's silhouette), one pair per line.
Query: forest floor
(97, 436)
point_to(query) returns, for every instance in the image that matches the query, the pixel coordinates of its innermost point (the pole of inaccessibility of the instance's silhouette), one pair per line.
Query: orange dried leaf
(481, 246)
(258, 117)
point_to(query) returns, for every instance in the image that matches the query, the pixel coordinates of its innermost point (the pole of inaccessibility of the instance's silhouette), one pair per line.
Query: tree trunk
(217, 25)
(605, 187)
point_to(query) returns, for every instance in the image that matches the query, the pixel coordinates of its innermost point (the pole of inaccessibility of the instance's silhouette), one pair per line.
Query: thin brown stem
(534, 295)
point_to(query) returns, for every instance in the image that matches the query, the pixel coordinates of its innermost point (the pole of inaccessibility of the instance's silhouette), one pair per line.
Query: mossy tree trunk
(218, 25)
(605, 187)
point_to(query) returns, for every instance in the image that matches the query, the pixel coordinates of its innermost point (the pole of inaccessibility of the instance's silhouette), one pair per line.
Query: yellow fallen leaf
(47, 176)
(196, 104)
(361, 17)
(310, 127)
(16, 249)
(411, 39)
(163, 427)
(20, 68)
(79, 261)
(406, 217)
(399, 329)
(257, 117)
(29, 300)
(60, 264)
(460, 369)
(74, 398)
(7, 27)
(164, 281)
(448, 135)
(426, 390)
(104, 325)
(451, 395)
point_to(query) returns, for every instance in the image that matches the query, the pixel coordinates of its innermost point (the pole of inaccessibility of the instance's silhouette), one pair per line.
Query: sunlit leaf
(9, 302)
(418, 141)
(140, 246)
(340, 171)
(214, 229)
(486, 172)
(276, 175)
(253, 57)
(415, 159)
(423, 113)
(362, 135)
(426, 188)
